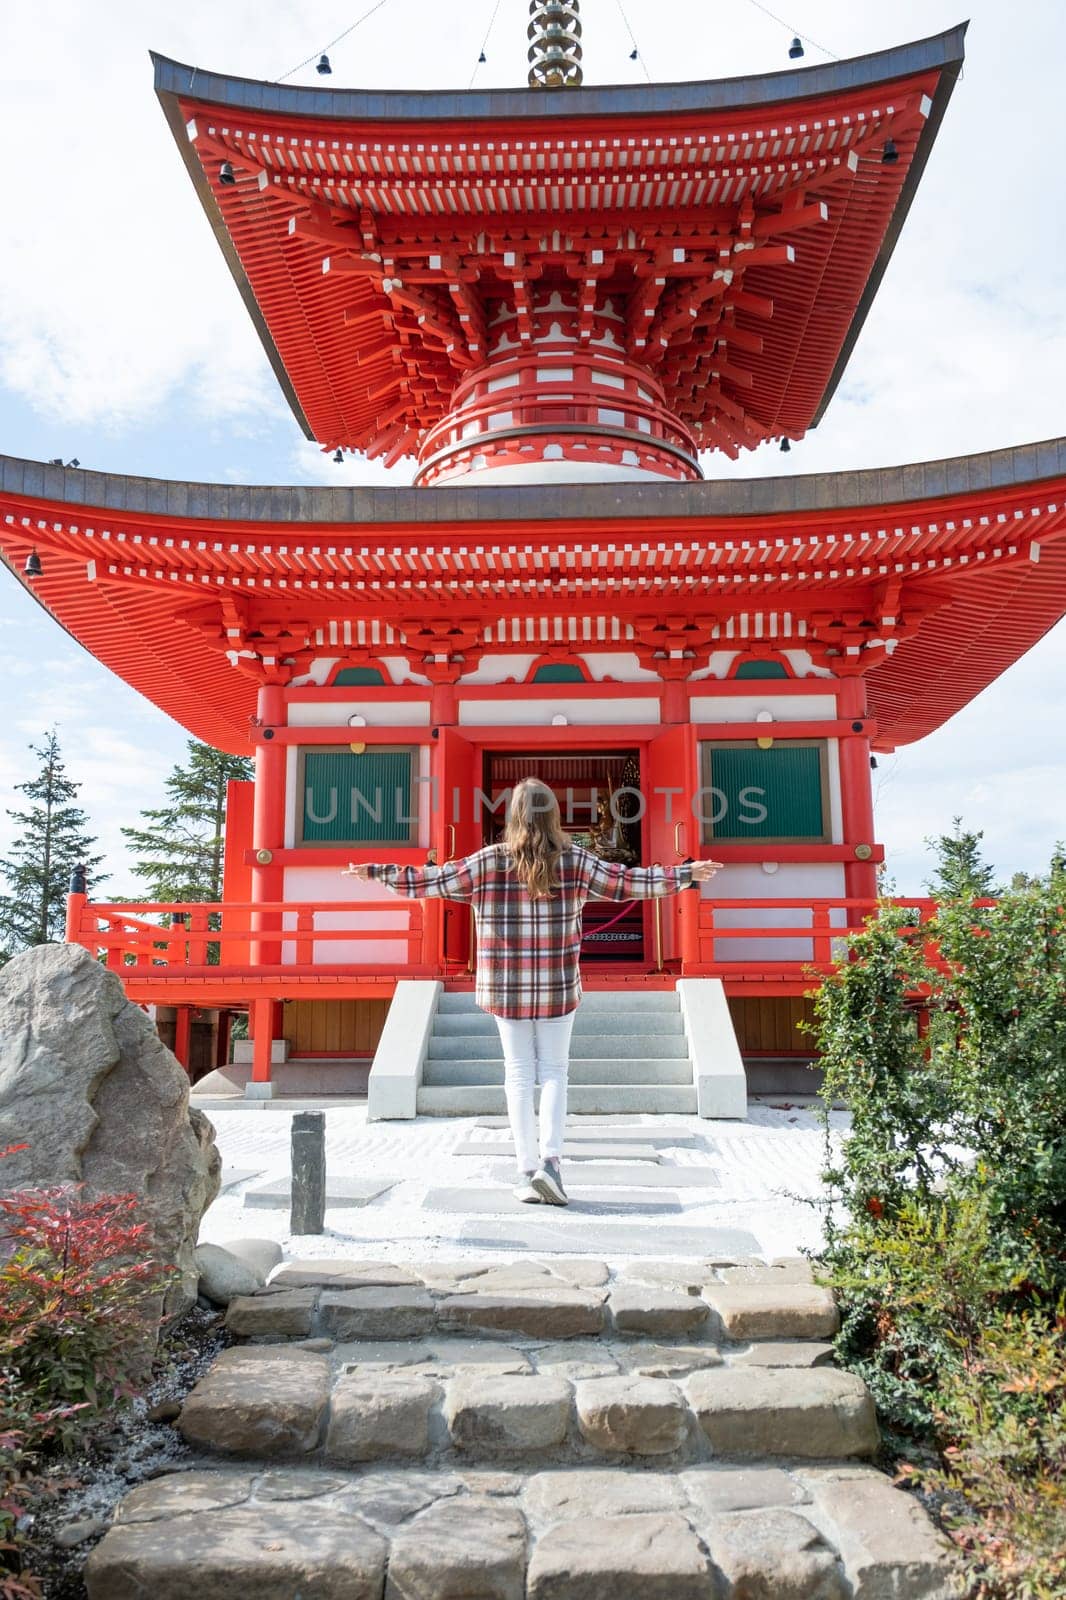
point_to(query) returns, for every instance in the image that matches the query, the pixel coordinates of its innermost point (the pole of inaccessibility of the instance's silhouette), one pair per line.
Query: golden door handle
(677, 838)
(451, 842)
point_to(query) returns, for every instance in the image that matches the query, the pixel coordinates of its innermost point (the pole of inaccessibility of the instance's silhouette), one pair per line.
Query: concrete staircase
(628, 1053)
(526, 1430)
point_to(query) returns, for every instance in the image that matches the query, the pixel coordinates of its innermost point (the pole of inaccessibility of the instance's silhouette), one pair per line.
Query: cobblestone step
(282, 1402)
(708, 1532)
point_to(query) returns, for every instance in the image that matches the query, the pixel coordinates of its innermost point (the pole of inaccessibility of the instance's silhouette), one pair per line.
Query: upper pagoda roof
(739, 228)
(933, 578)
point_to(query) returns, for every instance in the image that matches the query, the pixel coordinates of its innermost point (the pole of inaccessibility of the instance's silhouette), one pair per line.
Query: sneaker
(524, 1190)
(548, 1183)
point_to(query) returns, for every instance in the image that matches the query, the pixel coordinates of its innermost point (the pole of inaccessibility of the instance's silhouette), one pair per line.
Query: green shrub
(946, 1206)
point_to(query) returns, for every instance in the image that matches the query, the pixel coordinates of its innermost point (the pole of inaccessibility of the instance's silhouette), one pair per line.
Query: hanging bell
(323, 68)
(795, 50)
(33, 568)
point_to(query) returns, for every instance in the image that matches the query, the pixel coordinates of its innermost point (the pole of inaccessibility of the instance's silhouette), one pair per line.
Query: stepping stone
(571, 1152)
(233, 1177)
(332, 1274)
(607, 1176)
(581, 1129)
(744, 1311)
(608, 1239)
(555, 1313)
(259, 1400)
(340, 1192)
(491, 1202)
(779, 1411)
(474, 1547)
(661, 1313)
(507, 1415)
(654, 1555)
(636, 1416)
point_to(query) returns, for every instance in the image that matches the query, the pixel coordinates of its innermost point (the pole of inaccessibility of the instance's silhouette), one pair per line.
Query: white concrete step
(593, 1069)
(483, 1047)
(594, 1020)
(598, 1098)
(452, 1001)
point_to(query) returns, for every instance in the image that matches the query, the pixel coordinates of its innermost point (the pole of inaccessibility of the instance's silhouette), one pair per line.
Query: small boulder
(224, 1276)
(262, 1254)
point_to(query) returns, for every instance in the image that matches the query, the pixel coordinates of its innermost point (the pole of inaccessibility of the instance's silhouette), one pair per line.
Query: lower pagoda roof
(931, 579)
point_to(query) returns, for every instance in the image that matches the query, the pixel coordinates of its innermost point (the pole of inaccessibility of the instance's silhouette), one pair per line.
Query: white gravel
(768, 1167)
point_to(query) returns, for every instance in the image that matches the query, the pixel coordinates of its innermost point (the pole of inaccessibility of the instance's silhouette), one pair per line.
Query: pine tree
(51, 839)
(962, 873)
(180, 848)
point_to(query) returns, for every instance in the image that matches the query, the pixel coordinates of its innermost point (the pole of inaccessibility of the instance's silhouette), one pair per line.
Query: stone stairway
(532, 1430)
(628, 1053)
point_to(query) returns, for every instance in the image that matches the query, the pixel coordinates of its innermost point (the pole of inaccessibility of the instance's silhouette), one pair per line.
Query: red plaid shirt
(527, 950)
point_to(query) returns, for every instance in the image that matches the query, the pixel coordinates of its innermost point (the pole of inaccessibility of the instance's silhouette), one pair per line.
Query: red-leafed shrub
(77, 1303)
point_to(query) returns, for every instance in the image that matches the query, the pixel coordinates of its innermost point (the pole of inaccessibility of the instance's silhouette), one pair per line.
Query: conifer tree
(962, 873)
(51, 839)
(179, 848)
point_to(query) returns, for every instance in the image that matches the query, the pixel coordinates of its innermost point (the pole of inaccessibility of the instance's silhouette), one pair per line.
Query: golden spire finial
(554, 52)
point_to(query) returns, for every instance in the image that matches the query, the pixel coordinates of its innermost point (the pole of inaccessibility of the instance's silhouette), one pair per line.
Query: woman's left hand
(357, 869)
(702, 871)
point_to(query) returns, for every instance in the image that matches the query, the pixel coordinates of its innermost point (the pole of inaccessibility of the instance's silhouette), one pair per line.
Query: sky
(123, 341)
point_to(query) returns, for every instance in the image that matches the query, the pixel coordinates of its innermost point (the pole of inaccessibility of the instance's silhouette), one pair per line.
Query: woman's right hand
(357, 869)
(703, 871)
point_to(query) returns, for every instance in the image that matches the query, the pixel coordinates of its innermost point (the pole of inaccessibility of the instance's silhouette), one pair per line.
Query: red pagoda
(554, 304)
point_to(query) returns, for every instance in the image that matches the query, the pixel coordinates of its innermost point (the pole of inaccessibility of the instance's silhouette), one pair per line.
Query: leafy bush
(946, 1205)
(75, 1303)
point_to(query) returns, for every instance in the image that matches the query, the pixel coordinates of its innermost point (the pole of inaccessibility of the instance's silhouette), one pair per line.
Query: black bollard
(308, 1212)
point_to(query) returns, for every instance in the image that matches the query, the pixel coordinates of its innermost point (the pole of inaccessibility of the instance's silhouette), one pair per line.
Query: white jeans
(536, 1051)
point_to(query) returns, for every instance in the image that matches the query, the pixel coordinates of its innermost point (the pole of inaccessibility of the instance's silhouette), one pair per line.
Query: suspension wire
(484, 43)
(633, 38)
(791, 28)
(327, 47)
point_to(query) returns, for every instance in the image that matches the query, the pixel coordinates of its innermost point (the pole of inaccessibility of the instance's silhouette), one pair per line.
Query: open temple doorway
(599, 798)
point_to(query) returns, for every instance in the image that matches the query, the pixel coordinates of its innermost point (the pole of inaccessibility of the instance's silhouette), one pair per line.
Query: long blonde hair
(533, 837)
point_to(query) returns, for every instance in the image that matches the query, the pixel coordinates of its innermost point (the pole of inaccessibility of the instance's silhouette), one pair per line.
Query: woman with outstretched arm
(527, 895)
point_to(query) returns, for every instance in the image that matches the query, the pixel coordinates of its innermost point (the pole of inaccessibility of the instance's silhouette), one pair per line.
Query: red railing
(743, 937)
(786, 936)
(239, 936)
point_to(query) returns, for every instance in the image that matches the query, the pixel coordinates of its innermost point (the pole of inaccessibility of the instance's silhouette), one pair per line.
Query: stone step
(615, 1129)
(473, 1099)
(626, 1174)
(438, 1072)
(636, 1153)
(649, 1000)
(594, 1020)
(584, 1046)
(764, 1528)
(269, 1402)
(341, 1300)
(469, 1200)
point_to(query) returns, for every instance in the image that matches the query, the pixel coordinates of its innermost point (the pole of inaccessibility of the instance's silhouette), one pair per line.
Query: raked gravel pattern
(766, 1168)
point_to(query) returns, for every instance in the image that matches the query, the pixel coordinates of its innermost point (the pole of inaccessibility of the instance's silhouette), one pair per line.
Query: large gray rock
(98, 1099)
